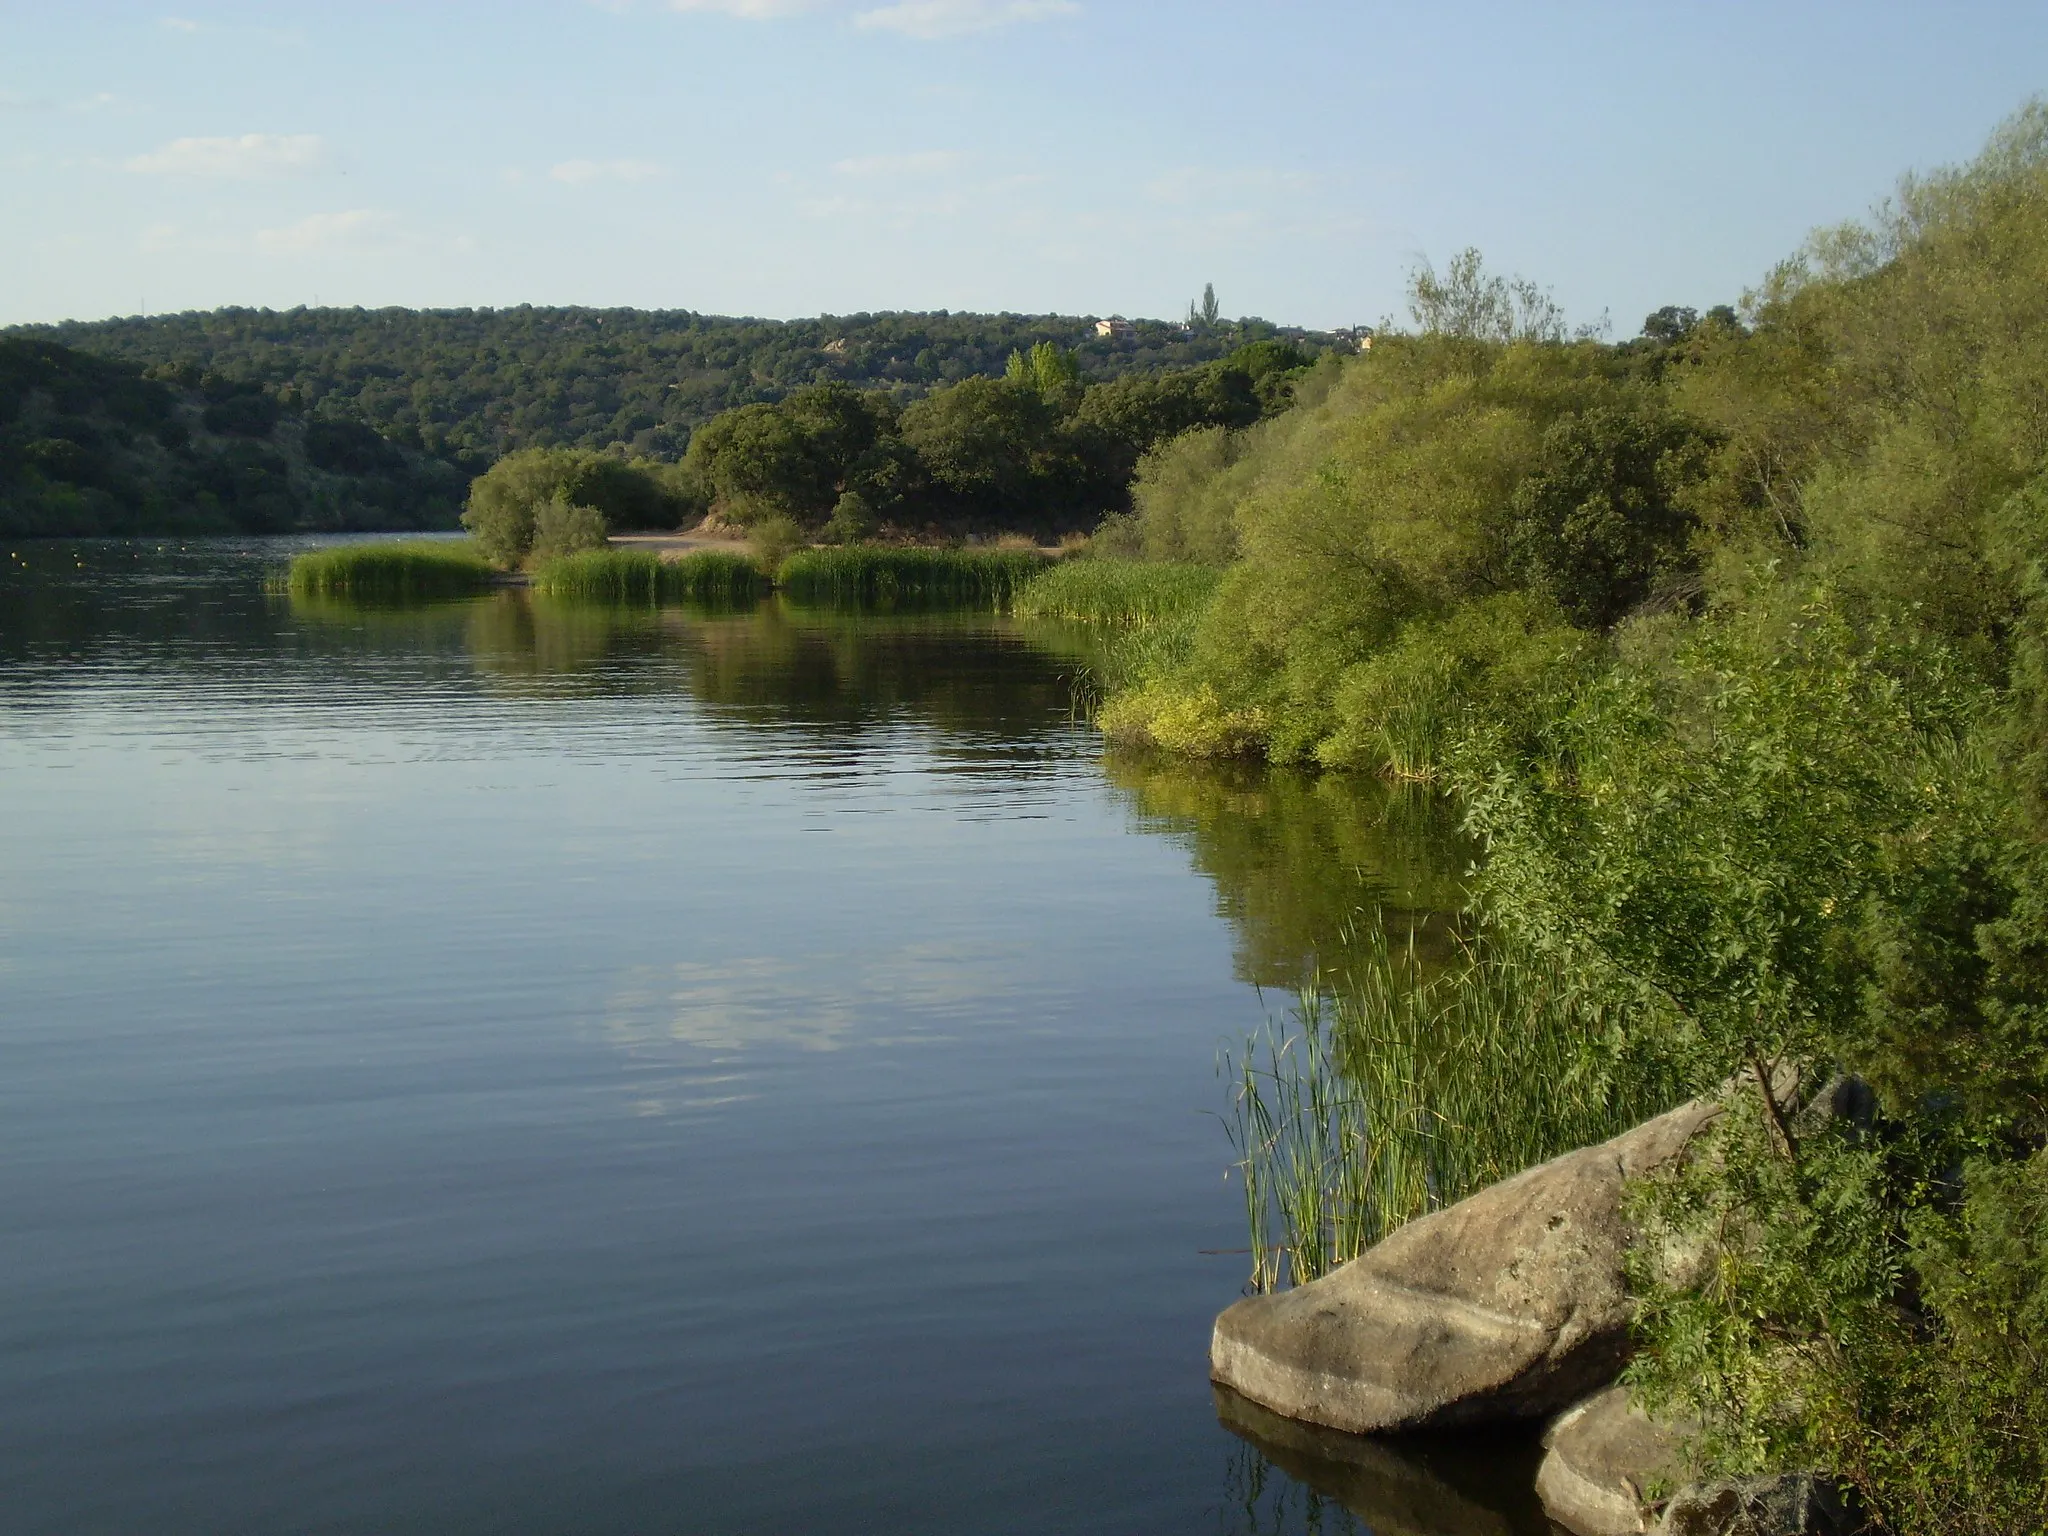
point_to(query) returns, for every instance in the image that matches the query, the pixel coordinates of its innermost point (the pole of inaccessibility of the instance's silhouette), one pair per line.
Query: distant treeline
(471, 385)
(93, 446)
(1039, 450)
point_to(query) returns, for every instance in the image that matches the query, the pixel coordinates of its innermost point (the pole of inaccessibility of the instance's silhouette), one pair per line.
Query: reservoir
(523, 1067)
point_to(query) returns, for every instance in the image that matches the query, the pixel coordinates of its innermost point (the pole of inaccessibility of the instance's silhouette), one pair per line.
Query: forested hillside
(473, 384)
(91, 446)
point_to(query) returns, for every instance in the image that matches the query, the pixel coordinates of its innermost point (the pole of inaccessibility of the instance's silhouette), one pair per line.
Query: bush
(505, 502)
(773, 538)
(562, 528)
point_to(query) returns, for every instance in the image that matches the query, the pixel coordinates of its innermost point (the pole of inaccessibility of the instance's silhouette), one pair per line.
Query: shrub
(562, 528)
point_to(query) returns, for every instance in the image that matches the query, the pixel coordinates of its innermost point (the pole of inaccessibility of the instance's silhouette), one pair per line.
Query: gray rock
(1605, 1463)
(1510, 1304)
(1790, 1504)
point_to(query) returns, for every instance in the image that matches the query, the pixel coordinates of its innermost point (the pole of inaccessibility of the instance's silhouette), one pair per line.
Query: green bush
(560, 527)
(507, 501)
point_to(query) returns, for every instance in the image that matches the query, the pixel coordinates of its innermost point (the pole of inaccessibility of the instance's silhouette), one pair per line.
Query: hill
(91, 446)
(471, 385)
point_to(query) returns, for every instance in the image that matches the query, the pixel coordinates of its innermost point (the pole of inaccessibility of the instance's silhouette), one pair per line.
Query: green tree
(992, 446)
(1469, 302)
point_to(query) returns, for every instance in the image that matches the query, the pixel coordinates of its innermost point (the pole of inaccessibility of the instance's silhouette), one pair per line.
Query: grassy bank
(396, 572)
(908, 578)
(640, 576)
(1119, 592)
(1731, 643)
(1396, 1092)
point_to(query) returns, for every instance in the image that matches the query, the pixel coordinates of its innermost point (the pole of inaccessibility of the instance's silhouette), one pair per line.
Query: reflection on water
(1299, 858)
(520, 1065)
(1410, 1485)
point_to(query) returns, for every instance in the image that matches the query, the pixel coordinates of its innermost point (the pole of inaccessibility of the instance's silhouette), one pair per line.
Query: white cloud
(929, 20)
(578, 172)
(179, 24)
(247, 158)
(923, 162)
(353, 227)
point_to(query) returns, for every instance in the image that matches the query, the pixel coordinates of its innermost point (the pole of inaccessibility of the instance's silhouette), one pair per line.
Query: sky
(795, 157)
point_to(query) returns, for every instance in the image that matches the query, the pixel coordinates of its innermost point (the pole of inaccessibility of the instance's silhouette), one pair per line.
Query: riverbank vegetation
(1729, 643)
(1125, 593)
(884, 579)
(641, 576)
(398, 571)
(1041, 450)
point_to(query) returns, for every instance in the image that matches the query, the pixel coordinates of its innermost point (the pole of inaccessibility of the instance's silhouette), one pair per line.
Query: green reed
(1395, 1092)
(641, 576)
(398, 571)
(860, 576)
(1119, 592)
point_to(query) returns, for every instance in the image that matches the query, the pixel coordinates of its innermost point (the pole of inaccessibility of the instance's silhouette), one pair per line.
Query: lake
(520, 1067)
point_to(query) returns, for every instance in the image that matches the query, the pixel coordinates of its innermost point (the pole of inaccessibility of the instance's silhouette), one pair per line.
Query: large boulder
(1510, 1304)
(1606, 1464)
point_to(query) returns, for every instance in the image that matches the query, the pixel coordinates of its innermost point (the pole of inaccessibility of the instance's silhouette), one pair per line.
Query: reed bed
(1128, 593)
(641, 576)
(393, 572)
(1395, 1092)
(908, 578)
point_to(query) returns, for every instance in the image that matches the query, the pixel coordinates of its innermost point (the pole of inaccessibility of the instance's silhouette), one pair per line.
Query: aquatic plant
(905, 578)
(1120, 592)
(1398, 1090)
(636, 575)
(398, 571)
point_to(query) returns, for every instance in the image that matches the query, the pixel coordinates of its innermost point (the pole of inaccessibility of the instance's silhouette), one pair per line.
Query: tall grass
(1121, 592)
(1396, 1092)
(641, 576)
(390, 572)
(908, 578)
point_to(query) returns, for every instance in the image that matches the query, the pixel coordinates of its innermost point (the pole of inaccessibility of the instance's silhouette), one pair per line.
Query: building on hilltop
(1117, 327)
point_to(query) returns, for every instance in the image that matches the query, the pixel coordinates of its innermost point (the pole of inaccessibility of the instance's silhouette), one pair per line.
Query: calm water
(501, 1067)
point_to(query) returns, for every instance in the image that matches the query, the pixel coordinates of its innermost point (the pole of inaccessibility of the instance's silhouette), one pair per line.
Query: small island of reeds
(640, 576)
(391, 572)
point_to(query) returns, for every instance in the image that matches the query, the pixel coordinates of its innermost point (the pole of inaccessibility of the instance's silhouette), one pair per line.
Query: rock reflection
(1409, 1485)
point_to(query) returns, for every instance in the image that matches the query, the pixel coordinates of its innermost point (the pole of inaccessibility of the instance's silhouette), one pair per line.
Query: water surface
(511, 1067)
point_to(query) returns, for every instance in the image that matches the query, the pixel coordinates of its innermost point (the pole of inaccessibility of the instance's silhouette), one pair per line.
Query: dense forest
(93, 446)
(471, 385)
(1730, 644)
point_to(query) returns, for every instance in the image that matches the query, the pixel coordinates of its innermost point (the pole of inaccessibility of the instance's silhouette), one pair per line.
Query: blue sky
(792, 157)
